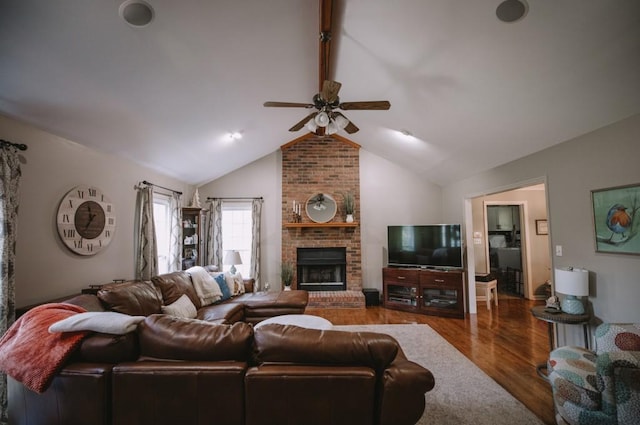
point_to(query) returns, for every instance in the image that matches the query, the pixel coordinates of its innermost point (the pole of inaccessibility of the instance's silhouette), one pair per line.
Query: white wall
(604, 158)
(388, 195)
(260, 178)
(45, 268)
(391, 195)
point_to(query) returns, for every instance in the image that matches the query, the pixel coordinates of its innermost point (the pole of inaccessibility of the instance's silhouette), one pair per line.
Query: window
(162, 221)
(237, 233)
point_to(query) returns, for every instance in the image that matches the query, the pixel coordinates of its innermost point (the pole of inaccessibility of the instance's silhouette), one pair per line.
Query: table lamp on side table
(572, 283)
(232, 258)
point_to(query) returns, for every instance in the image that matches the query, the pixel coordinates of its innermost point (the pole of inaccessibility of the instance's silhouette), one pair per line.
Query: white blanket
(206, 287)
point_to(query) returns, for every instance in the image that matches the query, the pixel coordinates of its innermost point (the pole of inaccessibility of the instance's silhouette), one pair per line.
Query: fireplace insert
(322, 269)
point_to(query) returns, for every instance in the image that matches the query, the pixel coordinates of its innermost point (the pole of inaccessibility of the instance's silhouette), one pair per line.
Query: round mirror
(321, 208)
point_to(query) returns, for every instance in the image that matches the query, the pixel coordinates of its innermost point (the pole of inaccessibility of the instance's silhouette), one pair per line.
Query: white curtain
(256, 213)
(214, 233)
(175, 235)
(9, 187)
(147, 248)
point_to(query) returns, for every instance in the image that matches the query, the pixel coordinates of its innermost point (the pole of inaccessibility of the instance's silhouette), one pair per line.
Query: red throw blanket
(32, 355)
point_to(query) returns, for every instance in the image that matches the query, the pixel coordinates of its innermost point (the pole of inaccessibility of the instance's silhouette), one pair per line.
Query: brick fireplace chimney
(322, 164)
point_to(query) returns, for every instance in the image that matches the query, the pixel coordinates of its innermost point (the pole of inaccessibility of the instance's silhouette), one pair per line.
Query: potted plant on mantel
(286, 274)
(349, 206)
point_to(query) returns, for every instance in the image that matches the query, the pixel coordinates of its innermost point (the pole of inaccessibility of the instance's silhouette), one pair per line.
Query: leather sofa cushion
(134, 297)
(167, 337)
(89, 302)
(174, 285)
(287, 343)
(229, 312)
(108, 348)
(273, 300)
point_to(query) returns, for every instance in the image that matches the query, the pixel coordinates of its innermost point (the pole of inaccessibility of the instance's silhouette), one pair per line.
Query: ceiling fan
(325, 118)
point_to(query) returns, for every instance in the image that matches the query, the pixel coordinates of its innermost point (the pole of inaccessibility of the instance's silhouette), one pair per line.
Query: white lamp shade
(332, 128)
(312, 126)
(322, 119)
(232, 258)
(571, 281)
(341, 121)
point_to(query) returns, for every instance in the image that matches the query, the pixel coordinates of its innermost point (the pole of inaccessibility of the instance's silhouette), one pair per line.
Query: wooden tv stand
(426, 291)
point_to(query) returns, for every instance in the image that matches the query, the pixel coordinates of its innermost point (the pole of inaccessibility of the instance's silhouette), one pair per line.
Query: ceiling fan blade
(377, 105)
(326, 17)
(288, 105)
(351, 128)
(330, 90)
(303, 121)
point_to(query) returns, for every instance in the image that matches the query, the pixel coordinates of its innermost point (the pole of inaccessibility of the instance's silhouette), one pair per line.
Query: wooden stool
(489, 289)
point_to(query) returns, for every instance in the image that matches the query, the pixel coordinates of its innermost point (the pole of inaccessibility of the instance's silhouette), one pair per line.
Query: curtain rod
(6, 143)
(161, 187)
(234, 199)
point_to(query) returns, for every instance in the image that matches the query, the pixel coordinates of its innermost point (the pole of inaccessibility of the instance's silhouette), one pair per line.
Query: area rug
(463, 393)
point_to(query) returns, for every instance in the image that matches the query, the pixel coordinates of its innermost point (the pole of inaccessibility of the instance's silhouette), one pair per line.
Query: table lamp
(572, 283)
(232, 258)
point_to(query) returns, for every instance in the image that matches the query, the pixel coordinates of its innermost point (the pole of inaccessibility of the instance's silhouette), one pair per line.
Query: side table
(539, 312)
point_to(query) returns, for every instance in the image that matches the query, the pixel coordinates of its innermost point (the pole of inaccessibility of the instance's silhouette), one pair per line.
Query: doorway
(505, 249)
(526, 203)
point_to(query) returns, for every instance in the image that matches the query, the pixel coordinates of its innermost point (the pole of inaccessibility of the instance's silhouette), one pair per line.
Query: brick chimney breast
(322, 164)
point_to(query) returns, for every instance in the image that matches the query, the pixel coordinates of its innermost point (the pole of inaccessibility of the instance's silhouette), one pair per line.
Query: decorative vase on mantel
(349, 218)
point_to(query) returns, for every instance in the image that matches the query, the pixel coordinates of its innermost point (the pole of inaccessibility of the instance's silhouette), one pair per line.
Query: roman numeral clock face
(86, 220)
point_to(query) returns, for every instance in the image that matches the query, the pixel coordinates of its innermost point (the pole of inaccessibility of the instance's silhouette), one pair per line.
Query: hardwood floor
(506, 343)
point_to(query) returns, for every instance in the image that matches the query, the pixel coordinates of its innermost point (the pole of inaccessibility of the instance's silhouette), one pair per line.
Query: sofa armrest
(402, 389)
(249, 284)
(618, 374)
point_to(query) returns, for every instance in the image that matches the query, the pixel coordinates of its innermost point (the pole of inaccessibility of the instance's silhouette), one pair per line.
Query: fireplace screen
(322, 269)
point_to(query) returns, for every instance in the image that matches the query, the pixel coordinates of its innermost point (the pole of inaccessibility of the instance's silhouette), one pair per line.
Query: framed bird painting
(614, 217)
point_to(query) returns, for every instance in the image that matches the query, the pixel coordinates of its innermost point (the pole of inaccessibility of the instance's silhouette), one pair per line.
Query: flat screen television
(429, 246)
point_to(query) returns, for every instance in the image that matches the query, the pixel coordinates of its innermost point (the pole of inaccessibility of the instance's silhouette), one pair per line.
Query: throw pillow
(235, 283)
(108, 322)
(222, 283)
(239, 284)
(182, 307)
(206, 287)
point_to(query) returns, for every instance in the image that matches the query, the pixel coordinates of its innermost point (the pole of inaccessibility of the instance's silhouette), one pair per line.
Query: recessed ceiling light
(512, 10)
(406, 132)
(137, 13)
(235, 135)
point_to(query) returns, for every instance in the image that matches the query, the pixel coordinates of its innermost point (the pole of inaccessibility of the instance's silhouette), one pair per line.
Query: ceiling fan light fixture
(322, 119)
(312, 126)
(341, 121)
(332, 127)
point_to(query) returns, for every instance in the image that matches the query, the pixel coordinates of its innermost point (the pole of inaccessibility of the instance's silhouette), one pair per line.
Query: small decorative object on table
(553, 305)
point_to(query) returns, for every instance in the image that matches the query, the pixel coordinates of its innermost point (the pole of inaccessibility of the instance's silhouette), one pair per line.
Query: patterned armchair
(601, 387)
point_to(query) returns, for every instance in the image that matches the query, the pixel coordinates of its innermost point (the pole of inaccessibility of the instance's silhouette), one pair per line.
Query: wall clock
(86, 220)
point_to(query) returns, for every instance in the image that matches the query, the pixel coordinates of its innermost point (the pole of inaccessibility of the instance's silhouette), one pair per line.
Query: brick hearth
(336, 299)
(315, 164)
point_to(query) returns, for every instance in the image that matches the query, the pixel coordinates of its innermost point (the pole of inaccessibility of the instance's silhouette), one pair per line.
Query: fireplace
(322, 269)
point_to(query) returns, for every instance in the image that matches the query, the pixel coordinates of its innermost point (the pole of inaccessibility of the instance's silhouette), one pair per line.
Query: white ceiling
(474, 91)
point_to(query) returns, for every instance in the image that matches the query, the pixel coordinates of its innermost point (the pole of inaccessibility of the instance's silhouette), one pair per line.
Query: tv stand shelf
(426, 291)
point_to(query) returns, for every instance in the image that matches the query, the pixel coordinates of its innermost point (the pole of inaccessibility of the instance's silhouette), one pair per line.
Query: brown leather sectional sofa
(218, 369)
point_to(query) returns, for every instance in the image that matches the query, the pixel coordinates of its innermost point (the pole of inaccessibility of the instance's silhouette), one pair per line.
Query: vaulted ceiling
(473, 91)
